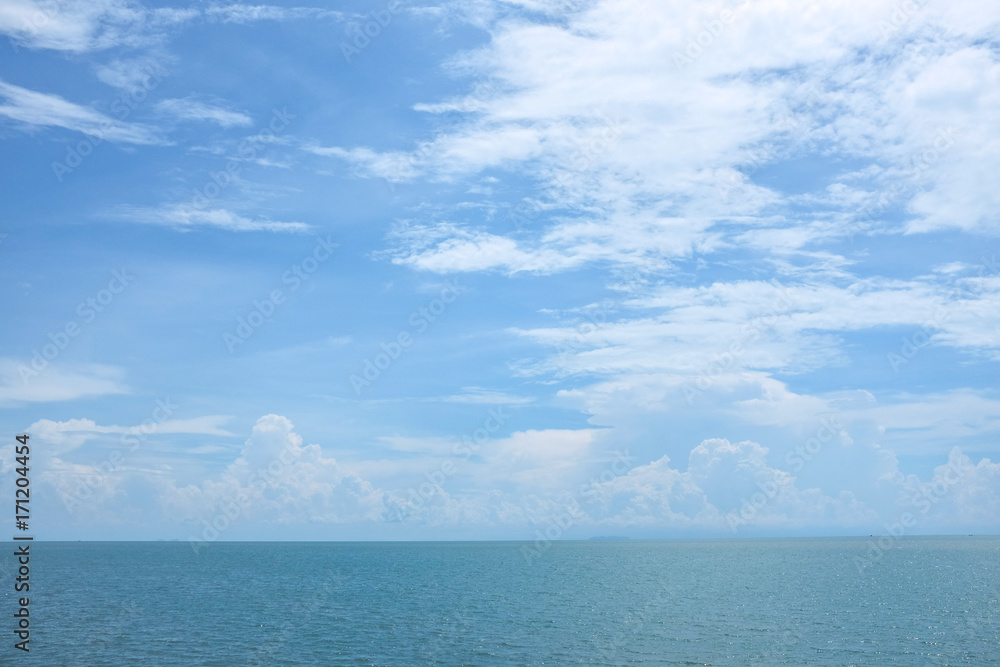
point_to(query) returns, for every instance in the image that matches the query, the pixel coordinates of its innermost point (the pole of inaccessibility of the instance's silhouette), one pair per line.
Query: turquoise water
(925, 601)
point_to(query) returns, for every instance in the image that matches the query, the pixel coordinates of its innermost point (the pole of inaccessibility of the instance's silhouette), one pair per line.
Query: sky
(500, 269)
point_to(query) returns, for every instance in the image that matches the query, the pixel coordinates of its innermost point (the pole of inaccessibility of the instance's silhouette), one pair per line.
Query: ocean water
(922, 601)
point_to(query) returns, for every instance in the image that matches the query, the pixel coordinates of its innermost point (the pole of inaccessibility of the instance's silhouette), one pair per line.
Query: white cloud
(629, 160)
(528, 460)
(918, 422)
(239, 13)
(953, 106)
(481, 396)
(21, 382)
(728, 333)
(61, 437)
(187, 217)
(107, 487)
(281, 482)
(462, 250)
(191, 109)
(90, 25)
(974, 500)
(35, 108)
(649, 162)
(396, 166)
(130, 74)
(728, 488)
(68, 25)
(642, 151)
(539, 459)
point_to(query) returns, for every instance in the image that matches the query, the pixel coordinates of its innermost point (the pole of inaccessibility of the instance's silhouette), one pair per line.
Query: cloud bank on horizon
(520, 269)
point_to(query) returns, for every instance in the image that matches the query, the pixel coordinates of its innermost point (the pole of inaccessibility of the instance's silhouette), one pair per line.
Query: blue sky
(495, 270)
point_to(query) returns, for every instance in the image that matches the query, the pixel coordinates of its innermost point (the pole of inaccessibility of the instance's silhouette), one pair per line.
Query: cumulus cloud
(102, 473)
(727, 488)
(878, 122)
(639, 136)
(726, 484)
(278, 480)
(527, 481)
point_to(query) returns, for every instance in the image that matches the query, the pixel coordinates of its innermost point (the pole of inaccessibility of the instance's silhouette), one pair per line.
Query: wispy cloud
(644, 161)
(64, 436)
(70, 25)
(191, 109)
(130, 73)
(481, 396)
(43, 109)
(62, 382)
(238, 13)
(91, 25)
(446, 248)
(726, 330)
(186, 218)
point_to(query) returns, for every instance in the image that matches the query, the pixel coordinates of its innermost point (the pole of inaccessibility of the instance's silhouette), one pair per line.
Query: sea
(830, 601)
